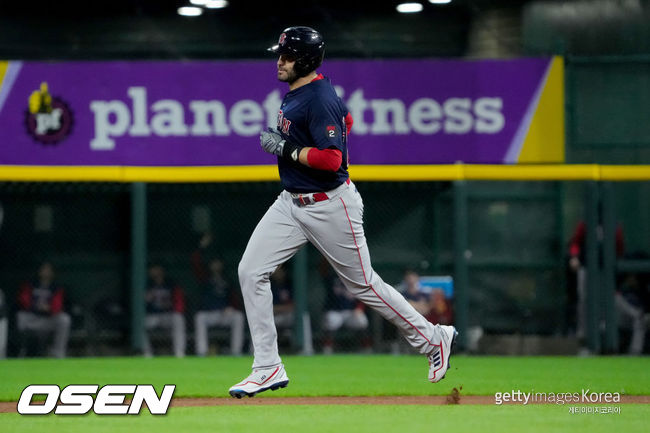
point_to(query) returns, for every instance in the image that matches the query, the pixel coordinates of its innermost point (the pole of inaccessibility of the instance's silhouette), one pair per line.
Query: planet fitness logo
(48, 118)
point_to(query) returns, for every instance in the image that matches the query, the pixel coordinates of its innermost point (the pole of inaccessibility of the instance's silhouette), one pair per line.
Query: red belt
(307, 199)
(304, 200)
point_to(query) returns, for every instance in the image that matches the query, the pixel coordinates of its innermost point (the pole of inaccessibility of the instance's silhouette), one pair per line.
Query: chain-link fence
(520, 237)
(83, 231)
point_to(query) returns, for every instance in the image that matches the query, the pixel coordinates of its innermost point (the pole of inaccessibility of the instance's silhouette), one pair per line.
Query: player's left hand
(272, 142)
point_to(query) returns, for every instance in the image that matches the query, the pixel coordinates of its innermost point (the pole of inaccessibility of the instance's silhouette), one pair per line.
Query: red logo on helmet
(283, 36)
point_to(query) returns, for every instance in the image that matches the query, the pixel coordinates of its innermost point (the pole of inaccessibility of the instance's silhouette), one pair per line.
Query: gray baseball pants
(172, 321)
(335, 228)
(58, 323)
(227, 317)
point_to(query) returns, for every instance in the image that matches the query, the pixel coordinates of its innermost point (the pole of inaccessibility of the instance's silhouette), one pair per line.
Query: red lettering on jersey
(283, 124)
(286, 123)
(280, 117)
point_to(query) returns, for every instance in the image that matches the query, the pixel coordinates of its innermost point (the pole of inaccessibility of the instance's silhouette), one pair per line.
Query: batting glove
(273, 143)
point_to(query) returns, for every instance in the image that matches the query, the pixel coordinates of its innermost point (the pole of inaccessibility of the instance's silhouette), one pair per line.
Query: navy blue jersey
(216, 294)
(281, 293)
(41, 298)
(164, 298)
(416, 297)
(338, 297)
(313, 115)
(159, 298)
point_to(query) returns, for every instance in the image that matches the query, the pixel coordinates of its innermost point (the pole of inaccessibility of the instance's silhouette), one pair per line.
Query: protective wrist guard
(291, 151)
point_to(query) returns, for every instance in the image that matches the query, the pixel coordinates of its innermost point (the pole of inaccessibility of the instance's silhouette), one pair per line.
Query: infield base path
(434, 400)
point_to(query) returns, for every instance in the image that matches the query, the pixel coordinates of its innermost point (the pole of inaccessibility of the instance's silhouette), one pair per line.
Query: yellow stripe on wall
(629, 172)
(252, 173)
(4, 65)
(37, 173)
(482, 172)
(397, 173)
(545, 138)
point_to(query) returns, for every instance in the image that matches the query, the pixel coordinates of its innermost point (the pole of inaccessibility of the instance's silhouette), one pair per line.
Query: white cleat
(261, 380)
(439, 358)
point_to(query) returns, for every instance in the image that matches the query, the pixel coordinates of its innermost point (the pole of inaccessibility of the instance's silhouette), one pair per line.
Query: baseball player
(4, 326)
(41, 309)
(165, 306)
(320, 205)
(219, 306)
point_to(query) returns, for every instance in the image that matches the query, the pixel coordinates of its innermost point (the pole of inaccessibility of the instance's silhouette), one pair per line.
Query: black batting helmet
(303, 43)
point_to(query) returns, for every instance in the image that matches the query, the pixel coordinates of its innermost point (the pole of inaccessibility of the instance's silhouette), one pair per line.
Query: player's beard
(291, 76)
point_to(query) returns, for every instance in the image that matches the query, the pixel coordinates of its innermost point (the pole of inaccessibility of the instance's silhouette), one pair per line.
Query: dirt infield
(453, 398)
(376, 400)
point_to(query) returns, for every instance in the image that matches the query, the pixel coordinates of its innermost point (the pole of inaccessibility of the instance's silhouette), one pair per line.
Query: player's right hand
(272, 142)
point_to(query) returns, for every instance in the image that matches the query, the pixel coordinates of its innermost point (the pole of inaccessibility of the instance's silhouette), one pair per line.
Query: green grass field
(340, 419)
(342, 375)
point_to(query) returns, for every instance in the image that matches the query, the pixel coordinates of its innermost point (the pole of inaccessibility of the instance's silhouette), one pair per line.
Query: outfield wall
(505, 242)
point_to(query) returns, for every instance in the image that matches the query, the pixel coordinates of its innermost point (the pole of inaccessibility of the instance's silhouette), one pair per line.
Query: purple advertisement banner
(210, 113)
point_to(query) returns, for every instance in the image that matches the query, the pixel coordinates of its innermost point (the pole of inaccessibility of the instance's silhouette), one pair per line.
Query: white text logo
(107, 400)
(201, 118)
